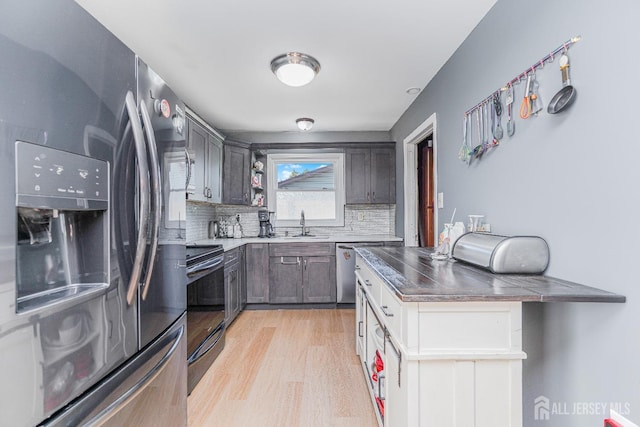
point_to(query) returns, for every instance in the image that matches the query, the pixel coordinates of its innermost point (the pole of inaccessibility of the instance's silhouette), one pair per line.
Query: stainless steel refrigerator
(92, 231)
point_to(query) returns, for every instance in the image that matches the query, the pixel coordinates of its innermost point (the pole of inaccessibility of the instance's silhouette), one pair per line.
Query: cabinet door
(360, 321)
(258, 273)
(285, 280)
(383, 175)
(214, 169)
(242, 285)
(236, 175)
(396, 408)
(231, 281)
(197, 146)
(319, 279)
(357, 171)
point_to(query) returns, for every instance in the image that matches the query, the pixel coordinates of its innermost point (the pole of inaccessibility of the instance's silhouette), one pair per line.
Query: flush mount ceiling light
(295, 69)
(305, 123)
(413, 90)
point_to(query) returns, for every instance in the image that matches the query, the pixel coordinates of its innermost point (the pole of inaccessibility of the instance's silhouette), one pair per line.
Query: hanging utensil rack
(517, 79)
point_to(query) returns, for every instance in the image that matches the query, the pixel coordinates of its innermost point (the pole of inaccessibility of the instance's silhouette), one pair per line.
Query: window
(313, 182)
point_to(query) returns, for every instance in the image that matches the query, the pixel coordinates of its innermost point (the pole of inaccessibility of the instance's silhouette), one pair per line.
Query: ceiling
(216, 55)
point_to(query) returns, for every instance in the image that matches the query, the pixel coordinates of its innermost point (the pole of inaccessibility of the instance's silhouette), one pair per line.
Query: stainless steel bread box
(503, 254)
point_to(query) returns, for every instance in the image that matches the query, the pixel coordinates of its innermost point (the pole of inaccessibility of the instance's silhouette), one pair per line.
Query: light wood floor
(285, 368)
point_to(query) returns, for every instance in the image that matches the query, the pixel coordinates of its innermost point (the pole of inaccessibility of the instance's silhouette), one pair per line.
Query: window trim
(315, 156)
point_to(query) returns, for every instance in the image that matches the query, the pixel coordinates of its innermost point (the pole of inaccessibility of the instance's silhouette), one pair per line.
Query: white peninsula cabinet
(444, 363)
(441, 342)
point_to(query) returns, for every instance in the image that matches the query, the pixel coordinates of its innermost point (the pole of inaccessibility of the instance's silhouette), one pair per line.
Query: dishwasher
(345, 270)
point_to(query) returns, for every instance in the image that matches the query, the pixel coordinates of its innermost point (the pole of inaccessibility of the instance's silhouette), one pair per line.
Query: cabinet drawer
(231, 257)
(391, 307)
(370, 283)
(302, 249)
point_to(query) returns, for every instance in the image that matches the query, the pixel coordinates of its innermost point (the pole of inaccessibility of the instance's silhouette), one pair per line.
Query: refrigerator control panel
(46, 172)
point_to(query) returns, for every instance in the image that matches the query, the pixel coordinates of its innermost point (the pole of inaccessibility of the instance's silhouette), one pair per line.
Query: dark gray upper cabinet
(370, 175)
(237, 175)
(257, 256)
(302, 273)
(205, 167)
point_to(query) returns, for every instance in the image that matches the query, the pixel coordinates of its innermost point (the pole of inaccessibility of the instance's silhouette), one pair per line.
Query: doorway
(426, 194)
(411, 150)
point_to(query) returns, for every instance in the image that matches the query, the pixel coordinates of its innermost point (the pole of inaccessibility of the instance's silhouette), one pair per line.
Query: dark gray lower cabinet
(285, 274)
(257, 256)
(317, 285)
(302, 273)
(234, 281)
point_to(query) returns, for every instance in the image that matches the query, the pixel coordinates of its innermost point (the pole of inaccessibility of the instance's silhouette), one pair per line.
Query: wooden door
(426, 193)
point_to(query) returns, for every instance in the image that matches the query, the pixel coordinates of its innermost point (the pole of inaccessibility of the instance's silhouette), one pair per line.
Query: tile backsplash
(358, 219)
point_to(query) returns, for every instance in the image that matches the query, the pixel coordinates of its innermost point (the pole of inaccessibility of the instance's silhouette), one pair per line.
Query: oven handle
(207, 265)
(199, 352)
(143, 220)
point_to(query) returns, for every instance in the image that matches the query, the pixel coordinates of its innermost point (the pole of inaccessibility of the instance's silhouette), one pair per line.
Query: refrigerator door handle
(131, 394)
(143, 219)
(189, 161)
(156, 195)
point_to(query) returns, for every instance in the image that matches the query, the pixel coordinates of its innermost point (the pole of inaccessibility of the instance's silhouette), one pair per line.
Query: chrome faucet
(302, 222)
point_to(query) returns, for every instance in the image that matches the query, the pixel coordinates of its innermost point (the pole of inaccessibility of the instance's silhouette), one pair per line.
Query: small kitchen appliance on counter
(266, 228)
(503, 254)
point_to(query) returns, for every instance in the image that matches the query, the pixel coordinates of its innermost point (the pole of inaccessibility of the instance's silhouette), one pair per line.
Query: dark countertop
(415, 277)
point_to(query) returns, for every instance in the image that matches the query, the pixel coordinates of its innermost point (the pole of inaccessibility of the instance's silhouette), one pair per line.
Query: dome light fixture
(305, 123)
(295, 69)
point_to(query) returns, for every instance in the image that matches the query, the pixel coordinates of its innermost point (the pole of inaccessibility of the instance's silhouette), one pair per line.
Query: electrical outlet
(440, 200)
(360, 216)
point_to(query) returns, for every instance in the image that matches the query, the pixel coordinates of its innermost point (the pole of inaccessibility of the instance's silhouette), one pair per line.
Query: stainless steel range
(205, 309)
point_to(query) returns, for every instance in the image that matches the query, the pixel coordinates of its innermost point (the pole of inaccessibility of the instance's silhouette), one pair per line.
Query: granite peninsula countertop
(415, 277)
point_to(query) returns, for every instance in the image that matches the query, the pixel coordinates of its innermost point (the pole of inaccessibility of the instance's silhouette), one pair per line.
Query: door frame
(411, 178)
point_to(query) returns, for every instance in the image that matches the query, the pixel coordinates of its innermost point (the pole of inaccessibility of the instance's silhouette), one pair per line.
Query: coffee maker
(266, 228)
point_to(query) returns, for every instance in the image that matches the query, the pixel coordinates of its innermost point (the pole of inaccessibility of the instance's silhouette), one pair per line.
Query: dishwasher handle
(360, 245)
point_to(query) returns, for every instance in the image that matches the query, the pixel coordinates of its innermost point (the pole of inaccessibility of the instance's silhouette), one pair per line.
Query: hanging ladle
(565, 96)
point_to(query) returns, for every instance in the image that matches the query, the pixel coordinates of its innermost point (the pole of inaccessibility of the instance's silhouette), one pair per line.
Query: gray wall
(570, 178)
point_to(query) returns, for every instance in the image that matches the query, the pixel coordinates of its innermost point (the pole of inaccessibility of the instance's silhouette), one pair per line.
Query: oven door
(205, 324)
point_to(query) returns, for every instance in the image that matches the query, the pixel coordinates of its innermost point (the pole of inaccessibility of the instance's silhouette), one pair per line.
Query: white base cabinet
(455, 364)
